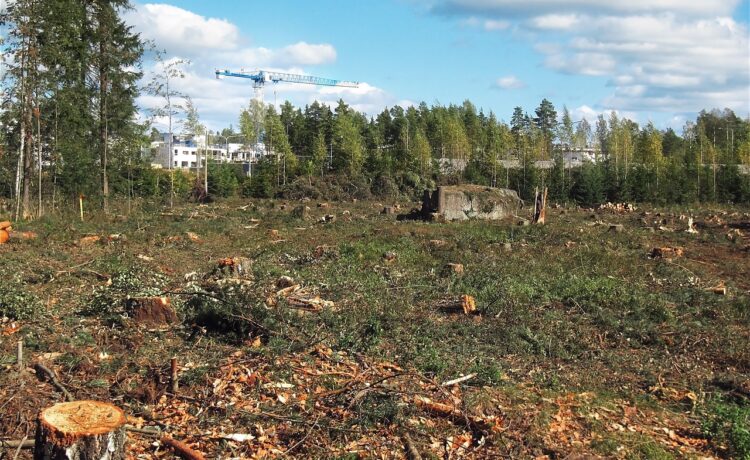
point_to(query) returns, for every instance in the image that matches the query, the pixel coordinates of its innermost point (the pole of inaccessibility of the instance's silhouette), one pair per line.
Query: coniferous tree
(116, 54)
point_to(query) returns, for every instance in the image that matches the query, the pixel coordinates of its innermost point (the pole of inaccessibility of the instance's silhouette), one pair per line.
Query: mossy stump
(80, 430)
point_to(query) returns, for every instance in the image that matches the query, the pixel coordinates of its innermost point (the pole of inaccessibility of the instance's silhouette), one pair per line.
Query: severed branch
(42, 370)
(181, 449)
(411, 451)
(458, 380)
(22, 444)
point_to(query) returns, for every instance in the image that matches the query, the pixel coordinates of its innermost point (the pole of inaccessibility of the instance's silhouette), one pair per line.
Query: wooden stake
(19, 356)
(174, 382)
(80, 205)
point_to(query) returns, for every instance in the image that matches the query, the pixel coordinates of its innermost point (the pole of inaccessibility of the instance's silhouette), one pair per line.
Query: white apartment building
(188, 152)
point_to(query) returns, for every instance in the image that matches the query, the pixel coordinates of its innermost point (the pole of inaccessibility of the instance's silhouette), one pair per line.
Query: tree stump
(540, 207)
(151, 311)
(80, 430)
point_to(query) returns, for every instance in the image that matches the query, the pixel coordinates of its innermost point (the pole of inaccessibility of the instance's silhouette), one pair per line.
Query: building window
(184, 164)
(192, 164)
(175, 163)
(175, 151)
(185, 152)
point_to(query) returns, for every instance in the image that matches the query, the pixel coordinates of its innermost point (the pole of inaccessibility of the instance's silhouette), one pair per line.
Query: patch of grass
(195, 376)
(606, 446)
(377, 409)
(728, 427)
(649, 450)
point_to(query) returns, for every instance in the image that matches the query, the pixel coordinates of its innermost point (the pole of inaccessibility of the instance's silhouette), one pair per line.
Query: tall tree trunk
(40, 210)
(103, 134)
(27, 163)
(22, 149)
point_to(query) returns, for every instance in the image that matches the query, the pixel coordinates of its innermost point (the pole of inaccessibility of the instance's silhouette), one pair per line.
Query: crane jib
(260, 77)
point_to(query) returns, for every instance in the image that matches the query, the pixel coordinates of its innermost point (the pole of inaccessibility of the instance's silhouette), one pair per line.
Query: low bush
(727, 426)
(16, 302)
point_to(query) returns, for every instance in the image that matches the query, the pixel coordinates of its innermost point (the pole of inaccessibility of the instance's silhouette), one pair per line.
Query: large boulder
(462, 202)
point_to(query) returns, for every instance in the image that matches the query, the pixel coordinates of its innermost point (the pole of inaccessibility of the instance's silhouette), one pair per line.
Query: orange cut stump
(81, 430)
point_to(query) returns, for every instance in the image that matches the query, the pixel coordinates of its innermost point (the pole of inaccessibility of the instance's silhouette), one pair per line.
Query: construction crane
(261, 77)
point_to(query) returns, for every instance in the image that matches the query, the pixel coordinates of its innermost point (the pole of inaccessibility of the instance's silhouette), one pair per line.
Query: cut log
(88, 240)
(5, 225)
(4, 236)
(465, 304)
(152, 311)
(80, 430)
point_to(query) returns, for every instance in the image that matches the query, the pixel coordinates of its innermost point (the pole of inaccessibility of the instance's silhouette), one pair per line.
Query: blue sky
(660, 60)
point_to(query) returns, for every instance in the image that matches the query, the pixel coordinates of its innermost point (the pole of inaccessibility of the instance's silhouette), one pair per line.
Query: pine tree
(546, 121)
(116, 52)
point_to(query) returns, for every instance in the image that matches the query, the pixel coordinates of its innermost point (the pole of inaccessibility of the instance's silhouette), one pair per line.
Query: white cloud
(212, 43)
(495, 24)
(509, 82)
(555, 21)
(658, 55)
(182, 31)
(487, 24)
(594, 64)
(303, 53)
(709, 8)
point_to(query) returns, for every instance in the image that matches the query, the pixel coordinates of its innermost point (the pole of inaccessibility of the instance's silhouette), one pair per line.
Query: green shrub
(16, 302)
(130, 282)
(728, 427)
(231, 311)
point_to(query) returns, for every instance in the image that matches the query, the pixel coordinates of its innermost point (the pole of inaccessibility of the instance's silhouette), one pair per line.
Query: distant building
(188, 152)
(575, 156)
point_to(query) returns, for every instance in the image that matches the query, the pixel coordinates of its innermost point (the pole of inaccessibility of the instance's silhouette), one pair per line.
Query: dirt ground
(317, 330)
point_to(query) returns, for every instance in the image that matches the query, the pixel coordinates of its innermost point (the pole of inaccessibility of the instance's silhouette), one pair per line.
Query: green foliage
(231, 311)
(133, 281)
(16, 302)
(728, 427)
(223, 179)
(262, 183)
(588, 185)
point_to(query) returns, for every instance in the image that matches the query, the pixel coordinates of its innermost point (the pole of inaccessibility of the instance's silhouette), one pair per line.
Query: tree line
(72, 73)
(407, 149)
